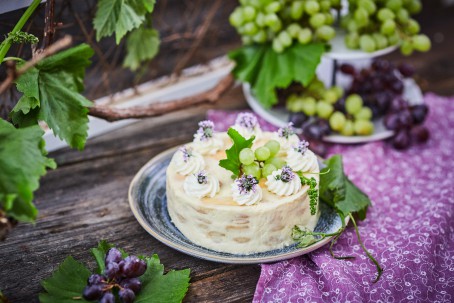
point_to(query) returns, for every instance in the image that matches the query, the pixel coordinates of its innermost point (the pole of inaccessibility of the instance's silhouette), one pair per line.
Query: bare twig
(201, 32)
(52, 49)
(49, 24)
(157, 109)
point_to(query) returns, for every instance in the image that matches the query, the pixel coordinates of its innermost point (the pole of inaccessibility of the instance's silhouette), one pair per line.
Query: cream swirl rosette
(247, 125)
(188, 161)
(286, 137)
(246, 191)
(201, 185)
(206, 141)
(300, 158)
(283, 182)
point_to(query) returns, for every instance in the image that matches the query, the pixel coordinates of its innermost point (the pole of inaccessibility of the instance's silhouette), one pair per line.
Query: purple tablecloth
(409, 229)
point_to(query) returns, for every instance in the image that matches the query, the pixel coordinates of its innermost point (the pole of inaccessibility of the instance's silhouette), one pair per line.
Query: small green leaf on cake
(232, 162)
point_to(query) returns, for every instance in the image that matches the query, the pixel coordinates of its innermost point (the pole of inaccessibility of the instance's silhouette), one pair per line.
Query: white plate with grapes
(280, 116)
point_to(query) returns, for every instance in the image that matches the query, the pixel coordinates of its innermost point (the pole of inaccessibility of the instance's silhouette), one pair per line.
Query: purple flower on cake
(286, 132)
(246, 184)
(205, 130)
(286, 175)
(202, 177)
(246, 120)
(186, 152)
(301, 147)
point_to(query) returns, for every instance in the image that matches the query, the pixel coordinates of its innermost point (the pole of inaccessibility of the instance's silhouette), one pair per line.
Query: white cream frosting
(192, 165)
(208, 146)
(286, 143)
(297, 161)
(249, 198)
(247, 133)
(282, 188)
(193, 188)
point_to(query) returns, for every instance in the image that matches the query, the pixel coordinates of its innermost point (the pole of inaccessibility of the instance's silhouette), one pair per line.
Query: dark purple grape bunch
(406, 121)
(379, 84)
(121, 274)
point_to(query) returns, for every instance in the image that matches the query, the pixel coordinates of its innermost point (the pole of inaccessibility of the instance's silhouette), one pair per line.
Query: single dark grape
(376, 112)
(324, 126)
(298, 119)
(95, 279)
(126, 295)
(397, 87)
(419, 113)
(402, 139)
(420, 134)
(377, 84)
(406, 70)
(405, 118)
(133, 267)
(108, 297)
(313, 131)
(340, 105)
(113, 256)
(392, 121)
(112, 270)
(93, 292)
(398, 104)
(384, 99)
(347, 69)
(133, 284)
(381, 65)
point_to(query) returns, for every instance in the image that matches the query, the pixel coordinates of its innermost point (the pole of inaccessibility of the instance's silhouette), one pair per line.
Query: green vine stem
(379, 269)
(6, 44)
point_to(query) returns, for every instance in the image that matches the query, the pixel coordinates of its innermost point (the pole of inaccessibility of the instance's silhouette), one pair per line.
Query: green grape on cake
(373, 25)
(284, 22)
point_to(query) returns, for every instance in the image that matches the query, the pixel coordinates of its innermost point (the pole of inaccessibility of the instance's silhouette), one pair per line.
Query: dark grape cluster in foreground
(121, 274)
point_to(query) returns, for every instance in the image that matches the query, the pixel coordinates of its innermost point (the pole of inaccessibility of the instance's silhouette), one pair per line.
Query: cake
(253, 211)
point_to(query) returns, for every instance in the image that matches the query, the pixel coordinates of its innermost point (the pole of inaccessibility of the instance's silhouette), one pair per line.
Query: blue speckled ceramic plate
(148, 202)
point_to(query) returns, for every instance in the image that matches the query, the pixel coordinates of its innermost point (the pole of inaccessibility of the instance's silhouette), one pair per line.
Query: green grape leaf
(339, 192)
(22, 162)
(157, 287)
(355, 201)
(232, 162)
(52, 94)
(120, 16)
(99, 253)
(265, 70)
(332, 184)
(68, 281)
(142, 44)
(66, 284)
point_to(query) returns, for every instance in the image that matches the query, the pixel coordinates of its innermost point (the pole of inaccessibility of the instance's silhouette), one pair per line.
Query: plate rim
(240, 259)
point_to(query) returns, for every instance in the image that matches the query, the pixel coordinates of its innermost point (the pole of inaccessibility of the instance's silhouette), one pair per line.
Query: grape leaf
(232, 162)
(332, 184)
(157, 287)
(66, 283)
(265, 70)
(52, 94)
(339, 192)
(142, 44)
(120, 16)
(22, 162)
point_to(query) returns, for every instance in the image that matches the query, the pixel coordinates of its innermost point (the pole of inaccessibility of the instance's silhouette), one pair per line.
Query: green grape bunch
(283, 22)
(376, 24)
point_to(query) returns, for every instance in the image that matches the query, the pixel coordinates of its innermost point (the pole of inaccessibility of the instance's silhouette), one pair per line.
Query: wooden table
(85, 199)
